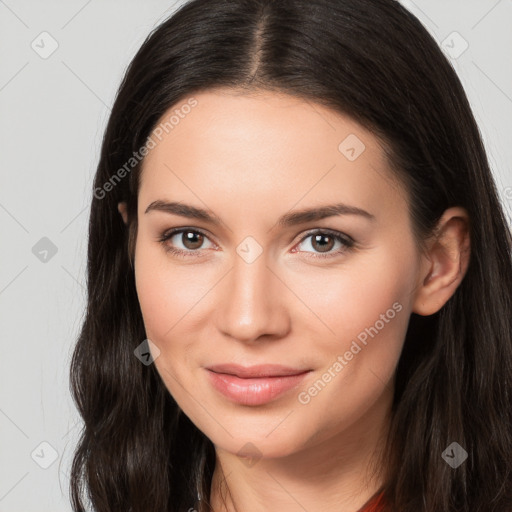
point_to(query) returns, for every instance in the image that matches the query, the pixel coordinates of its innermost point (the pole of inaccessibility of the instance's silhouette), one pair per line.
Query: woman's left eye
(323, 242)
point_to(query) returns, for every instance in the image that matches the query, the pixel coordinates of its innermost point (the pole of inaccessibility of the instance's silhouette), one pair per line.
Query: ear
(122, 208)
(446, 263)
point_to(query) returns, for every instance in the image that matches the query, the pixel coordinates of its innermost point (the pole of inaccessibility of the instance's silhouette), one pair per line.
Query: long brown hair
(371, 60)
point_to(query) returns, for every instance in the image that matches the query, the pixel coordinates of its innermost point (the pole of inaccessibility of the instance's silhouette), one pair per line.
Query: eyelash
(347, 241)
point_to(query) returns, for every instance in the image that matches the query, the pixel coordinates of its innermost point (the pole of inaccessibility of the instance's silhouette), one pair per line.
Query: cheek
(368, 310)
(372, 288)
(167, 292)
(367, 306)
(157, 299)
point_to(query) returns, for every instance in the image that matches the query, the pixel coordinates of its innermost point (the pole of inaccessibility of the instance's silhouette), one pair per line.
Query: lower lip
(256, 391)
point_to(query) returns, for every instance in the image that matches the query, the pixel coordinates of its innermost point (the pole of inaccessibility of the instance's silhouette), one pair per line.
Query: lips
(254, 385)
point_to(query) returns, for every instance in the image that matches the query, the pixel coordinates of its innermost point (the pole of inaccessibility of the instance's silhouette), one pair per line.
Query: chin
(255, 445)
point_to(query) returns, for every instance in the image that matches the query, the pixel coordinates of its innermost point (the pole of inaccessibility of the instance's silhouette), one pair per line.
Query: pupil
(322, 238)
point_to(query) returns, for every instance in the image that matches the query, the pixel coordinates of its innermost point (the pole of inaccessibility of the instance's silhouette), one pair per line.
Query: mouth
(254, 385)
(257, 371)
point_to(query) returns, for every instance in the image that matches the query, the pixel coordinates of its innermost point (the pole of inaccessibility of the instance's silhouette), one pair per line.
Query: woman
(299, 274)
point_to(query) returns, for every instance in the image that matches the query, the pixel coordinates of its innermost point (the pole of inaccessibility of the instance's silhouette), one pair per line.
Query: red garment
(374, 504)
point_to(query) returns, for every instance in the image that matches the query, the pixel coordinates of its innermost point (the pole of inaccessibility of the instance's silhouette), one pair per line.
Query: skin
(249, 159)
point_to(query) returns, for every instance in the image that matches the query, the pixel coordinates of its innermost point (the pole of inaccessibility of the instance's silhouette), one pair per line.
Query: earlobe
(446, 263)
(122, 209)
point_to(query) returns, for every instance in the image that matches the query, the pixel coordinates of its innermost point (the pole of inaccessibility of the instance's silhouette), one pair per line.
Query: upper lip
(260, 370)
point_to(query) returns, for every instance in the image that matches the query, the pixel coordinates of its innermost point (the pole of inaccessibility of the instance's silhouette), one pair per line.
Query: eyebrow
(288, 219)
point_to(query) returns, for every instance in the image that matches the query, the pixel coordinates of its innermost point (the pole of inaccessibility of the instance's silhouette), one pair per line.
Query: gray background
(53, 111)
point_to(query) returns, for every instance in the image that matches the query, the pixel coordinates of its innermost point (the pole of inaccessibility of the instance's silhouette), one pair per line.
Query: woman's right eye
(184, 241)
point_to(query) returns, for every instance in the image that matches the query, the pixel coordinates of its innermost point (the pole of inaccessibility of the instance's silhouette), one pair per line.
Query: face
(249, 281)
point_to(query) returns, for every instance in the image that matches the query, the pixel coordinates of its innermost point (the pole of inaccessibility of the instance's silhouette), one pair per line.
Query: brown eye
(192, 239)
(185, 241)
(322, 243)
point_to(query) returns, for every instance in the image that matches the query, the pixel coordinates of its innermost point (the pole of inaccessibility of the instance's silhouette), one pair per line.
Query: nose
(252, 302)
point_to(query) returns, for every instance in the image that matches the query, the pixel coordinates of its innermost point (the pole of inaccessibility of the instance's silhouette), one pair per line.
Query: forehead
(261, 149)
